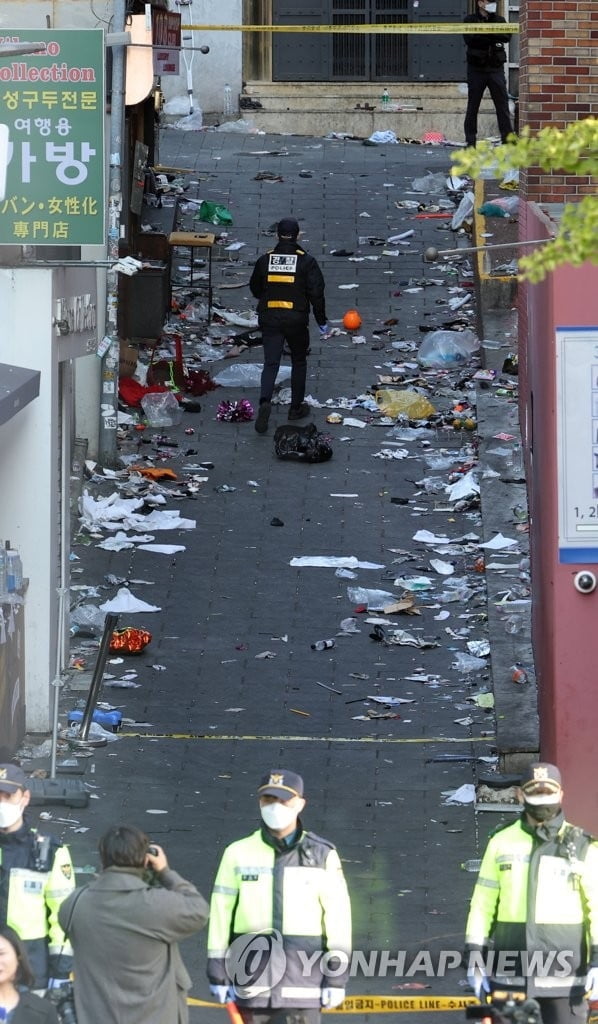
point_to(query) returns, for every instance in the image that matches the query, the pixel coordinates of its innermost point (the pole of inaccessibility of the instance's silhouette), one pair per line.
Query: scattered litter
(463, 795)
(125, 601)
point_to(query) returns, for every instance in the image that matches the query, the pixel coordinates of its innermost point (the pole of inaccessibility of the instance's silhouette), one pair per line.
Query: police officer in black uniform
(286, 281)
(486, 57)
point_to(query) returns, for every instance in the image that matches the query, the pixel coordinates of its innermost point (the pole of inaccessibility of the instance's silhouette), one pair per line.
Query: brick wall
(558, 82)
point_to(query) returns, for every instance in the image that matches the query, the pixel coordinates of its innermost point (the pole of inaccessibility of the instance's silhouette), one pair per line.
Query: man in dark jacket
(36, 875)
(286, 281)
(125, 927)
(486, 57)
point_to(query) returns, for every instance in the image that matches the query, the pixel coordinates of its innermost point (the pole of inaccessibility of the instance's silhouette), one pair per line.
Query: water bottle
(385, 99)
(471, 865)
(11, 569)
(323, 645)
(227, 107)
(18, 569)
(3, 587)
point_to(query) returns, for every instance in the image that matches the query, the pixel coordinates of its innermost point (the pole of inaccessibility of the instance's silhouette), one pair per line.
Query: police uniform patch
(275, 780)
(67, 871)
(282, 263)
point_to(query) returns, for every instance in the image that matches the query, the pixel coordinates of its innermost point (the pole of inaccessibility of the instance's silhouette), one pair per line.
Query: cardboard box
(128, 359)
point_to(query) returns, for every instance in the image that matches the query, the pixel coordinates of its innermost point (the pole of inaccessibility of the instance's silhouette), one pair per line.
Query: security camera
(584, 581)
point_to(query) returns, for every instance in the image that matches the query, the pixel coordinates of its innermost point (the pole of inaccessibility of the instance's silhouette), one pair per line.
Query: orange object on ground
(129, 640)
(154, 473)
(352, 320)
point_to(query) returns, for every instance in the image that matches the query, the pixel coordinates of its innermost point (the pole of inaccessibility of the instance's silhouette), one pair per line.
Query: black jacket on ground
(485, 50)
(286, 281)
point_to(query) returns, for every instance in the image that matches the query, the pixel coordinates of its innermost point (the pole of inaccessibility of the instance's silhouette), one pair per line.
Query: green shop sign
(53, 105)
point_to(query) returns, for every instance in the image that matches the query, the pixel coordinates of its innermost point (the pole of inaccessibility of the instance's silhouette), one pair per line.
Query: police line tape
(422, 28)
(382, 1004)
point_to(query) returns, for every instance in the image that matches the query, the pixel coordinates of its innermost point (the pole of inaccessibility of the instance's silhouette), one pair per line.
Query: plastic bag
(431, 183)
(241, 126)
(382, 138)
(500, 207)
(394, 403)
(375, 600)
(214, 213)
(246, 375)
(443, 350)
(464, 211)
(191, 123)
(162, 409)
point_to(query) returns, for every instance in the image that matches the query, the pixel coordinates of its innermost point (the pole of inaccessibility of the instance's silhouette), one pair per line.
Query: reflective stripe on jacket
(36, 875)
(297, 894)
(537, 893)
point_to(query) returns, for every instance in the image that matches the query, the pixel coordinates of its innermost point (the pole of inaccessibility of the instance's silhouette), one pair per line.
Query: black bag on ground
(301, 444)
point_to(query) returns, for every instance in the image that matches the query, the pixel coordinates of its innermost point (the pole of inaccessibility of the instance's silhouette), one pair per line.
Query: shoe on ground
(298, 414)
(263, 415)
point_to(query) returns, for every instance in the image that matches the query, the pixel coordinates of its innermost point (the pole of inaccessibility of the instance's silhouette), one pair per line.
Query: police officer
(536, 903)
(286, 282)
(280, 905)
(486, 57)
(36, 874)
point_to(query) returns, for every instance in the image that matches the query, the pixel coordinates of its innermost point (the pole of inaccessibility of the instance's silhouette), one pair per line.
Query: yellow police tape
(383, 1004)
(304, 739)
(421, 28)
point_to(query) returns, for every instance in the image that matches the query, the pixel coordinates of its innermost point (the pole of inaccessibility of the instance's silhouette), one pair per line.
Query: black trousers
(284, 1016)
(273, 338)
(478, 80)
(570, 1009)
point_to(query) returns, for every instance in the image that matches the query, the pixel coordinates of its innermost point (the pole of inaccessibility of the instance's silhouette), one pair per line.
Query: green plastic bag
(213, 213)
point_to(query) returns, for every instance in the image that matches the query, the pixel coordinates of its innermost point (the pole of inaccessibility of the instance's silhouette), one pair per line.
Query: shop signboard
(52, 104)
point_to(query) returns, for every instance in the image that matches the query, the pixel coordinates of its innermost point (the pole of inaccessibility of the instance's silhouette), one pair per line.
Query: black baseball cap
(541, 783)
(12, 778)
(288, 227)
(282, 784)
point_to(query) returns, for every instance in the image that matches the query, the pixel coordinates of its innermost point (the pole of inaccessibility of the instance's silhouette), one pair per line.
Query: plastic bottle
(11, 571)
(385, 99)
(227, 105)
(2, 570)
(518, 674)
(323, 645)
(471, 865)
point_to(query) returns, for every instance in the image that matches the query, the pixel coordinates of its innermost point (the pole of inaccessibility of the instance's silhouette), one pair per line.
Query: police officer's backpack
(301, 444)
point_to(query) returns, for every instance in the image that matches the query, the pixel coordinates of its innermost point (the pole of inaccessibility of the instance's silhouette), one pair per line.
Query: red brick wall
(558, 82)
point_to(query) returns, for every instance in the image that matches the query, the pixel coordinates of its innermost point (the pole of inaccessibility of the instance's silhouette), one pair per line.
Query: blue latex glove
(324, 328)
(478, 980)
(332, 997)
(592, 984)
(223, 993)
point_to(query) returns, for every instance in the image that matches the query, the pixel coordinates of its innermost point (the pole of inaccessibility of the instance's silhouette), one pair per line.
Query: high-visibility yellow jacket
(536, 898)
(36, 874)
(288, 909)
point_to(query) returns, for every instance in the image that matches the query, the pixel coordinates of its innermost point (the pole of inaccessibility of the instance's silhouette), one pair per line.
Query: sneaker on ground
(298, 413)
(263, 415)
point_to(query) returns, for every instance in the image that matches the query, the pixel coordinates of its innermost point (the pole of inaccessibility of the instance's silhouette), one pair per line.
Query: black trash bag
(301, 444)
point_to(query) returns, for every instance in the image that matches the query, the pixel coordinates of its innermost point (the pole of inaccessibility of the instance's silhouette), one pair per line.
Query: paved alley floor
(222, 711)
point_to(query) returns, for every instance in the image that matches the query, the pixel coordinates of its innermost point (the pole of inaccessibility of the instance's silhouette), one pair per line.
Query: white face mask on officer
(278, 815)
(491, 8)
(10, 813)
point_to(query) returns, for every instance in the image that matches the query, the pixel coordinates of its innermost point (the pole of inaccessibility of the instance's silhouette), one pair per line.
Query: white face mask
(9, 813)
(278, 816)
(491, 8)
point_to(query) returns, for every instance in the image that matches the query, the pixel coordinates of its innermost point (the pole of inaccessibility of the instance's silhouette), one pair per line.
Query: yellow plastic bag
(394, 403)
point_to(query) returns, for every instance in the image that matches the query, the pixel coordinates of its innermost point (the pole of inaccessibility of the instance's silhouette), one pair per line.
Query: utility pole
(110, 357)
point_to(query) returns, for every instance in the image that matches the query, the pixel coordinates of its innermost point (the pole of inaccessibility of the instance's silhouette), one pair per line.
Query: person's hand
(478, 981)
(58, 982)
(223, 993)
(332, 997)
(324, 328)
(155, 858)
(592, 983)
